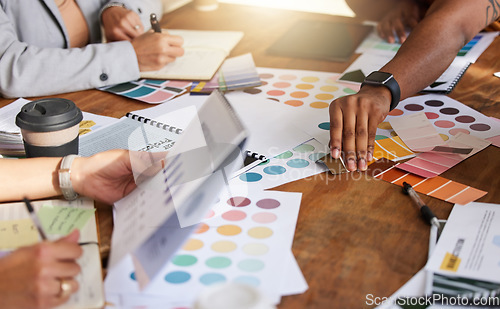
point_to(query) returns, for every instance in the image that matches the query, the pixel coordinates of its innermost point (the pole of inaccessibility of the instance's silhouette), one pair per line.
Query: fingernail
(351, 165)
(335, 153)
(362, 164)
(369, 157)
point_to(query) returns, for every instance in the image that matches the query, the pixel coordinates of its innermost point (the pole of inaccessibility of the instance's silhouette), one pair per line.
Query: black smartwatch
(378, 78)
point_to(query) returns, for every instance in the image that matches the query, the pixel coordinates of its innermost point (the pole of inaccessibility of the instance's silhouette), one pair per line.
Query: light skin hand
(353, 125)
(121, 24)
(155, 50)
(30, 276)
(404, 16)
(106, 176)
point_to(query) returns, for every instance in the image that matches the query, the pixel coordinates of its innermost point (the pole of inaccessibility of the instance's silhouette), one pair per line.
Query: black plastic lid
(46, 115)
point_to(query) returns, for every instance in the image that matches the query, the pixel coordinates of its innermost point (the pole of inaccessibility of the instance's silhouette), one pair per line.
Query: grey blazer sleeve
(29, 70)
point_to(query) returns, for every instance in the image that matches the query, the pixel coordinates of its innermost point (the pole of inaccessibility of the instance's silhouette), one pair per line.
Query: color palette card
(291, 165)
(235, 73)
(300, 88)
(448, 116)
(392, 148)
(307, 94)
(416, 131)
(246, 237)
(431, 164)
(148, 90)
(438, 187)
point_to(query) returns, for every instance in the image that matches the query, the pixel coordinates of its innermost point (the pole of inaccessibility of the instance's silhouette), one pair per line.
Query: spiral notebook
(449, 79)
(133, 132)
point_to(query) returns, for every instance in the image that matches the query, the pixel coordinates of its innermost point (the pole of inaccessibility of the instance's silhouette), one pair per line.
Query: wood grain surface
(355, 235)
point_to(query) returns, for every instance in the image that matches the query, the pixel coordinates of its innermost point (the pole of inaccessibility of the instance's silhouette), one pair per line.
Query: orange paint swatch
(438, 187)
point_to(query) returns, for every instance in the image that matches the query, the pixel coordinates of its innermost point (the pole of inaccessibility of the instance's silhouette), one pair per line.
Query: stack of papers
(463, 267)
(11, 141)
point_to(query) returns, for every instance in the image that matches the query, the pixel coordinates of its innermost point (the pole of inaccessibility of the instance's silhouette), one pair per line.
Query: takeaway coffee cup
(49, 127)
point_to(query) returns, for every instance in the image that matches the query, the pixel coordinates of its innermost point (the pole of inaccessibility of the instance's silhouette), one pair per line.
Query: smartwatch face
(377, 76)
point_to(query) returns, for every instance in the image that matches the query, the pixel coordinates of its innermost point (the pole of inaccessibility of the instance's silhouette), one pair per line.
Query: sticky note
(62, 220)
(17, 233)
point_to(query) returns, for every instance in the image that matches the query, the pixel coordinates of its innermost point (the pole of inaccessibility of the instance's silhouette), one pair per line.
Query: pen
(428, 215)
(155, 25)
(35, 219)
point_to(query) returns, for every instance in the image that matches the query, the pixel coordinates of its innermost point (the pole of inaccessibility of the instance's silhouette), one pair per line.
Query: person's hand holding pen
(41, 275)
(155, 49)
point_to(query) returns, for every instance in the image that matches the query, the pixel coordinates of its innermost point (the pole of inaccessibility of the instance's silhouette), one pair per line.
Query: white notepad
(91, 292)
(204, 52)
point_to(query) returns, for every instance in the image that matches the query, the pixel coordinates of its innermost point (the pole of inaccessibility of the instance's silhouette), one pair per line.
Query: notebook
(91, 292)
(449, 79)
(331, 41)
(204, 52)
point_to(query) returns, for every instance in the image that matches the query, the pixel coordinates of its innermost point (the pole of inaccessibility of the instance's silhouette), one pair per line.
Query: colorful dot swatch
(246, 238)
(294, 164)
(299, 88)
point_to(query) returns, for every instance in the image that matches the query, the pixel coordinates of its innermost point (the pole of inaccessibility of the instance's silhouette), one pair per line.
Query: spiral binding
(154, 123)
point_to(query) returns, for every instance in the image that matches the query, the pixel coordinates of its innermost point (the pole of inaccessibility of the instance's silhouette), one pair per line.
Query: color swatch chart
(431, 164)
(149, 90)
(438, 187)
(308, 94)
(300, 88)
(448, 116)
(294, 164)
(247, 238)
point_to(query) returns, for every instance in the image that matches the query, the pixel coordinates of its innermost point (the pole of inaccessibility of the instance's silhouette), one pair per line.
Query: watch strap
(65, 178)
(390, 84)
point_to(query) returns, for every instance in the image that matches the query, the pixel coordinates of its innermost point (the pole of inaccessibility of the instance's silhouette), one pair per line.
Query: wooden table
(355, 235)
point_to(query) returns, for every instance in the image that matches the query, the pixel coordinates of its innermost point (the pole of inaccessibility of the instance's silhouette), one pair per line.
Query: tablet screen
(332, 41)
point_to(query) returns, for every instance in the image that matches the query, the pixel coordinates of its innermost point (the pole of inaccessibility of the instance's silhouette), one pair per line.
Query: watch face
(380, 77)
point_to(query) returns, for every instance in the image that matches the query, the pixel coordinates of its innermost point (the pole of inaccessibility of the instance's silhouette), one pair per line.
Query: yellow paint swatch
(391, 148)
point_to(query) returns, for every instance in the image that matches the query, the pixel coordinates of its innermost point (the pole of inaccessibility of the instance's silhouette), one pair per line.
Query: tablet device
(332, 41)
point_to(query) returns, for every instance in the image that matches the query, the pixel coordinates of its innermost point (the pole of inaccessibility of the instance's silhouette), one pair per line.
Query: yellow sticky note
(62, 220)
(85, 124)
(17, 233)
(450, 262)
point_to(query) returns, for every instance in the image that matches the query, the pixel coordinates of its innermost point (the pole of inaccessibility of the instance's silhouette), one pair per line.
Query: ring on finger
(136, 27)
(65, 289)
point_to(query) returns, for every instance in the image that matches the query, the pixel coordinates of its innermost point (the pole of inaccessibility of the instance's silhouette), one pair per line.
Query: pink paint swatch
(416, 131)
(432, 164)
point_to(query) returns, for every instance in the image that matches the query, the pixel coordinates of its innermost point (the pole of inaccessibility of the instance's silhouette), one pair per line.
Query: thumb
(71, 237)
